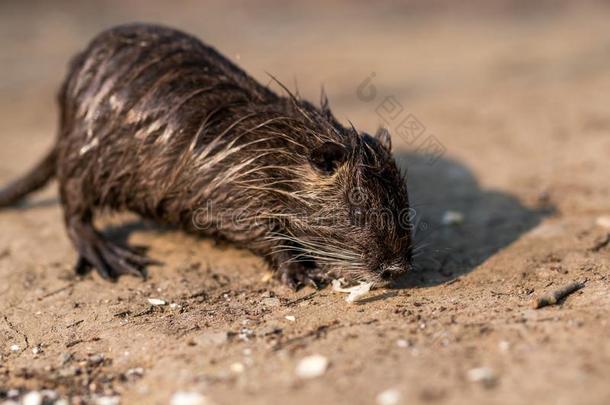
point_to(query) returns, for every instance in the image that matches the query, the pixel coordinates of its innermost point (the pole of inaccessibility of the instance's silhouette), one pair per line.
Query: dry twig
(553, 297)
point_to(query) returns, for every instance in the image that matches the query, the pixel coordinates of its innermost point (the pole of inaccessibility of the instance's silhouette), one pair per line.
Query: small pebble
(156, 301)
(15, 348)
(188, 398)
(237, 368)
(311, 366)
(115, 400)
(135, 372)
(504, 346)
(402, 343)
(603, 221)
(484, 375)
(32, 398)
(291, 318)
(452, 218)
(245, 334)
(388, 397)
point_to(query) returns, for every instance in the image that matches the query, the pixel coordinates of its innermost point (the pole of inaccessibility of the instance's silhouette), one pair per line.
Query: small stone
(15, 348)
(188, 398)
(114, 400)
(603, 221)
(452, 218)
(237, 368)
(483, 375)
(245, 334)
(311, 366)
(290, 318)
(504, 346)
(136, 372)
(12, 393)
(402, 343)
(36, 349)
(156, 301)
(173, 305)
(388, 397)
(95, 360)
(32, 398)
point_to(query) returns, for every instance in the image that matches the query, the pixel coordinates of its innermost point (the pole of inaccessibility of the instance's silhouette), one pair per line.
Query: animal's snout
(393, 270)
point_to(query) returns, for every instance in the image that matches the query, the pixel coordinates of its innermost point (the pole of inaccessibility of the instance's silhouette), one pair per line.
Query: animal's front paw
(296, 275)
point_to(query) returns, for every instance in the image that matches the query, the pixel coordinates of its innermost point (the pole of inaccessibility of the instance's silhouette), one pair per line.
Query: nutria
(157, 123)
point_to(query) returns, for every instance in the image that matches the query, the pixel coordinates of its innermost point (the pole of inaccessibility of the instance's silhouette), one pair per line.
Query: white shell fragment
(311, 366)
(355, 292)
(15, 348)
(290, 318)
(156, 301)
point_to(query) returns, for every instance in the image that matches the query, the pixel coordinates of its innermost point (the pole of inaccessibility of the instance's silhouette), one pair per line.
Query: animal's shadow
(447, 248)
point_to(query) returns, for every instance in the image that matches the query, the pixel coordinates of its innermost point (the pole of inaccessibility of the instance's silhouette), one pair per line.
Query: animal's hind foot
(109, 259)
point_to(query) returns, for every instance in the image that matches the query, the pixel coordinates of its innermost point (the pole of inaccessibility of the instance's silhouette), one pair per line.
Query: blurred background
(473, 74)
(499, 112)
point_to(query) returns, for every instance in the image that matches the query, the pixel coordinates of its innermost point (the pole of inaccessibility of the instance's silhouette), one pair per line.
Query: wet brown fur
(157, 123)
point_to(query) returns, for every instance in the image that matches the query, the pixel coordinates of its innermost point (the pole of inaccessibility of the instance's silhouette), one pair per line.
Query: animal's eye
(328, 157)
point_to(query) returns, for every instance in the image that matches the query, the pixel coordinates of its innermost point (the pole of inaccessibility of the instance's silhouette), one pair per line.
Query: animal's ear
(328, 157)
(383, 136)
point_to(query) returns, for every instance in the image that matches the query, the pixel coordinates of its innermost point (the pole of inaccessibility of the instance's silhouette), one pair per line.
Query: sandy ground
(518, 98)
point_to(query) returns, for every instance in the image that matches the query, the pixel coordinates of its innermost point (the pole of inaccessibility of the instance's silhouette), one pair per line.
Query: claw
(296, 275)
(110, 260)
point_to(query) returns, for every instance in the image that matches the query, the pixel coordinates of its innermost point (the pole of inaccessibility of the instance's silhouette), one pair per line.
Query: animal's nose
(393, 270)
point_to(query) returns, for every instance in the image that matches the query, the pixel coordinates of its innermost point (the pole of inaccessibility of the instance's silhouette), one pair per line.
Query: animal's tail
(35, 179)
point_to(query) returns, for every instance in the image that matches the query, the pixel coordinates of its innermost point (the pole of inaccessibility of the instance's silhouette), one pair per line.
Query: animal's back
(133, 102)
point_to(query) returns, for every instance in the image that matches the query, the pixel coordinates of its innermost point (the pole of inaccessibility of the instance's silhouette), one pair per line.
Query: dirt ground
(517, 95)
